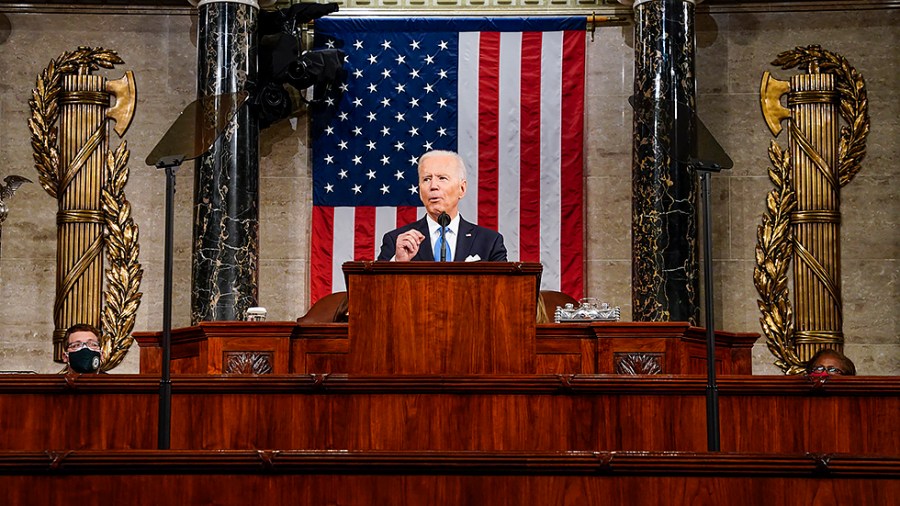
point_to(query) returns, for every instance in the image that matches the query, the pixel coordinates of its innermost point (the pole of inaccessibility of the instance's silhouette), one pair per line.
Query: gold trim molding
(454, 7)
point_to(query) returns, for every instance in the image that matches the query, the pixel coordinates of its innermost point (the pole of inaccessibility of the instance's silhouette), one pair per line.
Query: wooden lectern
(442, 318)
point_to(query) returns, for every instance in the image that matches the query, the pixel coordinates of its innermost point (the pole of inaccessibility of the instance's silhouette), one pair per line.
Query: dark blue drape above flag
(507, 94)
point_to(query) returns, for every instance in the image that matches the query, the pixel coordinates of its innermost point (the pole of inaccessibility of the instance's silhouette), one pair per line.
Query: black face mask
(84, 360)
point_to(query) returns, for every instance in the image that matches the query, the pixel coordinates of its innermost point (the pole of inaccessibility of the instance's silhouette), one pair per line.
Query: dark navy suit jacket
(471, 240)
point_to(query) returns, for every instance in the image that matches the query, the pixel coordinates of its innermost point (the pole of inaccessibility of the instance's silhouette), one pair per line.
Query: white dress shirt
(450, 234)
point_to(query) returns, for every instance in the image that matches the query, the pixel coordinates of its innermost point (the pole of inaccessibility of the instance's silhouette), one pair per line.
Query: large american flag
(506, 93)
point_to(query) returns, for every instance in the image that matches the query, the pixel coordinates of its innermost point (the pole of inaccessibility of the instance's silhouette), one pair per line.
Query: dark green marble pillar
(665, 272)
(226, 180)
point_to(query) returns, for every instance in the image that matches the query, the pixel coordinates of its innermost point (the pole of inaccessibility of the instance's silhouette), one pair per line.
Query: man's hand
(408, 245)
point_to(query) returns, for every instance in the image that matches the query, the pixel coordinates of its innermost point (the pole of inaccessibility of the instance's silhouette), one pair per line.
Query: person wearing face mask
(83, 351)
(829, 362)
(442, 183)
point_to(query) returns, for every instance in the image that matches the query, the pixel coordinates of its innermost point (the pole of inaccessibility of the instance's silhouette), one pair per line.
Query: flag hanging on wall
(507, 94)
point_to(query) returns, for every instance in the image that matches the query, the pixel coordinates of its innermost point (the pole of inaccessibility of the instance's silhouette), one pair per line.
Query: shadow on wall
(274, 136)
(5, 28)
(707, 30)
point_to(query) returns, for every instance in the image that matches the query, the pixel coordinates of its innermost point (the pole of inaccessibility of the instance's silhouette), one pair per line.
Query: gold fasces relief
(70, 109)
(801, 228)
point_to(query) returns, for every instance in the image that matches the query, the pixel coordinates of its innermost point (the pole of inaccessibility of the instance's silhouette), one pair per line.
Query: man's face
(439, 185)
(79, 339)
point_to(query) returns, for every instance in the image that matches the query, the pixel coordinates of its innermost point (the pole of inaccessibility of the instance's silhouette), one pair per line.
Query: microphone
(443, 220)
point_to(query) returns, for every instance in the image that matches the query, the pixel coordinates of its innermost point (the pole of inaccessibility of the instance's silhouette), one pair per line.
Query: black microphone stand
(169, 164)
(712, 389)
(714, 159)
(191, 135)
(706, 156)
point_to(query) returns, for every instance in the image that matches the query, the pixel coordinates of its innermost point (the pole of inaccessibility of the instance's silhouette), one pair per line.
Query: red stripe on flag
(530, 149)
(407, 214)
(364, 233)
(488, 128)
(321, 252)
(572, 170)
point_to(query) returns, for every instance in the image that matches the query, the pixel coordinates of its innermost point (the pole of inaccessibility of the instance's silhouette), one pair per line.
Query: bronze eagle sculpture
(10, 184)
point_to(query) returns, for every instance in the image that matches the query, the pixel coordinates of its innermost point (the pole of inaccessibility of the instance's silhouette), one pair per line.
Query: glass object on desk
(256, 314)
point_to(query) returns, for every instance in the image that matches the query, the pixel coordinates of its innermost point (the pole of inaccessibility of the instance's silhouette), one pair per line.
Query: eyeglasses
(76, 346)
(829, 369)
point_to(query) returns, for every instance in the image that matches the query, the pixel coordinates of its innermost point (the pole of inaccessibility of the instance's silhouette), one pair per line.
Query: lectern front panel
(442, 318)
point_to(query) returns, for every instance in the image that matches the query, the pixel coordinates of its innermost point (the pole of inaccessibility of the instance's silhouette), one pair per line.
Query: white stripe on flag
(551, 156)
(510, 126)
(342, 245)
(385, 221)
(467, 119)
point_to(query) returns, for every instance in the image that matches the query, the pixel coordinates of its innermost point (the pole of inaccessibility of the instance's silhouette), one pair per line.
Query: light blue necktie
(437, 248)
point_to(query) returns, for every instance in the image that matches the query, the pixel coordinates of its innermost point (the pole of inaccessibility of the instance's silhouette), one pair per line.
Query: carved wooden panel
(638, 363)
(248, 362)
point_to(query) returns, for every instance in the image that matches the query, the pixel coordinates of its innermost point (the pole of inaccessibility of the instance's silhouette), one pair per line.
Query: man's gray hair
(440, 152)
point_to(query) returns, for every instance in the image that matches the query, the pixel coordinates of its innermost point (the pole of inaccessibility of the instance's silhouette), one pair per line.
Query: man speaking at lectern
(442, 183)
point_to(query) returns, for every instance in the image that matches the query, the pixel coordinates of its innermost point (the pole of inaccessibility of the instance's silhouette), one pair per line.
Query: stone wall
(734, 48)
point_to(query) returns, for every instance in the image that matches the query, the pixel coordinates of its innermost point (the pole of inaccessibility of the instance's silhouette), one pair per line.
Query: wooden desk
(771, 414)
(444, 478)
(568, 348)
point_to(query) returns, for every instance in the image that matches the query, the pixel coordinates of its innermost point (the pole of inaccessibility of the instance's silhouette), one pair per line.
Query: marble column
(665, 272)
(225, 266)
